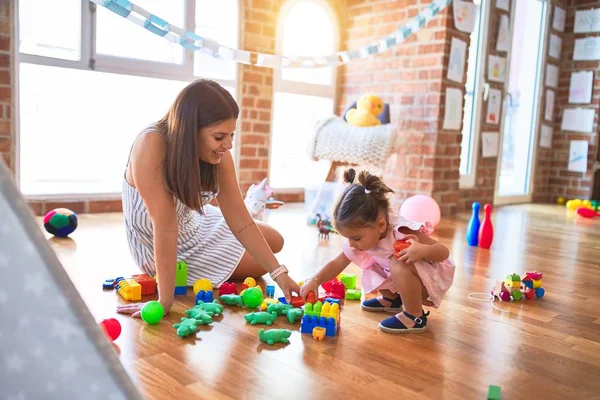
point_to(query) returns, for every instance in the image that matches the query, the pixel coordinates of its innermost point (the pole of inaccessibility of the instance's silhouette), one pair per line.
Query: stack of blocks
(132, 289)
(181, 276)
(319, 317)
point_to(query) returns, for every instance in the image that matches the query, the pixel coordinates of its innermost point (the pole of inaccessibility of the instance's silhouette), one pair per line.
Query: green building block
(181, 274)
(352, 294)
(314, 310)
(494, 392)
(349, 281)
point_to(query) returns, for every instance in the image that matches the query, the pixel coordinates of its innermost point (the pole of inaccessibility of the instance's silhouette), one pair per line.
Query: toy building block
(493, 393)
(181, 275)
(108, 284)
(297, 301)
(311, 298)
(282, 300)
(333, 301)
(260, 317)
(313, 309)
(349, 280)
(206, 297)
(130, 290)
(278, 308)
(187, 326)
(293, 314)
(352, 294)
(273, 336)
(212, 308)
(309, 323)
(318, 333)
(329, 295)
(270, 290)
(330, 310)
(334, 288)
(266, 302)
(199, 314)
(501, 291)
(228, 288)
(148, 284)
(232, 300)
(202, 284)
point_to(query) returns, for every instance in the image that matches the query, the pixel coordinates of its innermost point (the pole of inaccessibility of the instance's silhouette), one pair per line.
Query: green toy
(314, 310)
(232, 300)
(273, 336)
(187, 326)
(352, 294)
(200, 315)
(260, 317)
(152, 312)
(278, 308)
(494, 392)
(252, 297)
(293, 314)
(349, 280)
(213, 308)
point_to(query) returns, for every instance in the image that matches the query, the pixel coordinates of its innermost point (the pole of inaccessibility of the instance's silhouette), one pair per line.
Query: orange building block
(147, 283)
(318, 333)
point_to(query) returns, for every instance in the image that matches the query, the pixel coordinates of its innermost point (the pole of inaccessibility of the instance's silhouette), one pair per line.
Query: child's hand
(288, 286)
(413, 253)
(310, 285)
(135, 309)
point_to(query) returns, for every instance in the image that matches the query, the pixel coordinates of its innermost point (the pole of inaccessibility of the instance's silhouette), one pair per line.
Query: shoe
(394, 325)
(374, 305)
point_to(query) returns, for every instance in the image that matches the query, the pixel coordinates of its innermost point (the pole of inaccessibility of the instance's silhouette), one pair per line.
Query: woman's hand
(413, 253)
(135, 309)
(288, 286)
(310, 285)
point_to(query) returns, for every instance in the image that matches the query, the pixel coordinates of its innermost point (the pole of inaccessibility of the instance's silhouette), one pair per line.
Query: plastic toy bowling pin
(473, 226)
(486, 231)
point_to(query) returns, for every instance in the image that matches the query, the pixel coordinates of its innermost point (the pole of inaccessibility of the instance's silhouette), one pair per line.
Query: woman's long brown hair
(200, 104)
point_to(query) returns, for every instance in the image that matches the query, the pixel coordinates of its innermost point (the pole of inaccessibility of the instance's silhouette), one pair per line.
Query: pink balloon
(421, 208)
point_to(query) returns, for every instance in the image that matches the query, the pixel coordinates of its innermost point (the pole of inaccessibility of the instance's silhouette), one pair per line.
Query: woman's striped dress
(204, 242)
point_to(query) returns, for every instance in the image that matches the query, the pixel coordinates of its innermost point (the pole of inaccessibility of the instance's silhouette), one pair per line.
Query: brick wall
(7, 136)
(411, 78)
(562, 182)
(486, 168)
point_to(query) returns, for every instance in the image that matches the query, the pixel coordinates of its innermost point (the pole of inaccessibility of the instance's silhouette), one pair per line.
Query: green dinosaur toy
(273, 336)
(278, 308)
(213, 308)
(293, 314)
(260, 317)
(232, 300)
(200, 315)
(187, 326)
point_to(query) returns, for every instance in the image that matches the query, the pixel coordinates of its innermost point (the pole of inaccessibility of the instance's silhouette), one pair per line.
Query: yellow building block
(537, 283)
(330, 310)
(130, 290)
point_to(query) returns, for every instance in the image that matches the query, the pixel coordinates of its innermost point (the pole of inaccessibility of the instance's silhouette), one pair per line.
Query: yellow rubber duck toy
(368, 108)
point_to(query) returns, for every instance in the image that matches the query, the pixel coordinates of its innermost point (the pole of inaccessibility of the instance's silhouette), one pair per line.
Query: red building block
(147, 283)
(228, 288)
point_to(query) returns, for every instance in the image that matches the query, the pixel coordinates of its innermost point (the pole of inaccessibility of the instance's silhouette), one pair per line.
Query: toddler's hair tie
(367, 191)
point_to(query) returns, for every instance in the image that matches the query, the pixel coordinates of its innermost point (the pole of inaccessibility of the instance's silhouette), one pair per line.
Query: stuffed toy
(368, 108)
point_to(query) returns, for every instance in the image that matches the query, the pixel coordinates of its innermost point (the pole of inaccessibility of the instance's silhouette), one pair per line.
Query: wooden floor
(540, 349)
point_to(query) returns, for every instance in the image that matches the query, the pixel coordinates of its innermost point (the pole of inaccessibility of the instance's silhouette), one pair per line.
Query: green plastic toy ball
(252, 297)
(152, 312)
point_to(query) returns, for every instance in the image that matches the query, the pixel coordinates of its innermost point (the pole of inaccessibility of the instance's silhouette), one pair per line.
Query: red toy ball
(112, 328)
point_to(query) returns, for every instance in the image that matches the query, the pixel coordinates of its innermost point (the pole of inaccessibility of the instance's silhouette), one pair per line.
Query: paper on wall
(456, 62)
(496, 68)
(489, 144)
(549, 110)
(587, 48)
(503, 43)
(546, 137)
(493, 107)
(587, 21)
(453, 109)
(552, 75)
(580, 89)
(578, 120)
(554, 46)
(578, 156)
(558, 22)
(503, 4)
(465, 15)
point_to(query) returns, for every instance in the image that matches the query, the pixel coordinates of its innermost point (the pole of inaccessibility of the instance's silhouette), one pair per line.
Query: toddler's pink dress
(437, 277)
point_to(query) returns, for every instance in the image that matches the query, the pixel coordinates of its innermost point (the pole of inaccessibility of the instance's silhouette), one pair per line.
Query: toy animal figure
(324, 228)
(260, 317)
(187, 326)
(211, 309)
(273, 336)
(258, 198)
(232, 300)
(368, 108)
(199, 314)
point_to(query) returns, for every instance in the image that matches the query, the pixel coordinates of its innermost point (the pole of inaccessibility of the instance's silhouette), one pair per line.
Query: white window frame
(467, 181)
(294, 87)
(90, 61)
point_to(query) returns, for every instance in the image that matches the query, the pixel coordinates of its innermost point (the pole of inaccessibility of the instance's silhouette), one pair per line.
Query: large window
(90, 81)
(473, 97)
(302, 96)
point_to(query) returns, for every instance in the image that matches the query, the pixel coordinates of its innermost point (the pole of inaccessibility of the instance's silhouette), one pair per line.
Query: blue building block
(528, 284)
(206, 297)
(332, 300)
(282, 300)
(117, 280)
(108, 284)
(271, 290)
(181, 290)
(309, 323)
